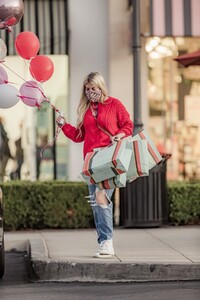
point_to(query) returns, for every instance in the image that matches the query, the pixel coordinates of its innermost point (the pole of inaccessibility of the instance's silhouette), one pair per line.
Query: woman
(101, 120)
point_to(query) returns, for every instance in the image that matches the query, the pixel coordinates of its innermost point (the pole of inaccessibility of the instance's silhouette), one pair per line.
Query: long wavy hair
(98, 81)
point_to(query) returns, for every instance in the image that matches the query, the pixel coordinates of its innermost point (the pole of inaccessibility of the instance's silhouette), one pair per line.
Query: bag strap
(102, 129)
(105, 131)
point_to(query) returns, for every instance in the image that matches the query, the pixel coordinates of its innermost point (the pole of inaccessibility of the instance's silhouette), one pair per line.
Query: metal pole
(54, 148)
(136, 66)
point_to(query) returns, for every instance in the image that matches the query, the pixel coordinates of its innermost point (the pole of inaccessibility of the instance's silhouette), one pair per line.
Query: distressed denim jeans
(103, 216)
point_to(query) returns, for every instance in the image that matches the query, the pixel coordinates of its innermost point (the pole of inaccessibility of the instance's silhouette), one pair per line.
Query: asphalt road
(16, 286)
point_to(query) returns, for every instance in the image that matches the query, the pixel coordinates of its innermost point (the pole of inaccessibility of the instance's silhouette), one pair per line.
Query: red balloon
(41, 68)
(27, 44)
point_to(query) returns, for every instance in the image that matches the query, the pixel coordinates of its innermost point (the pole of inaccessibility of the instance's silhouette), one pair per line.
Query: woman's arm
(74, 133)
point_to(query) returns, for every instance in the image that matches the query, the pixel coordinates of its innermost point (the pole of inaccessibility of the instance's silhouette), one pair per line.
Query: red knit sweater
(112, 116)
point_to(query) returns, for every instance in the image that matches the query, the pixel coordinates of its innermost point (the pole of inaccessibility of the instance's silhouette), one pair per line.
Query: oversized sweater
(112, 116)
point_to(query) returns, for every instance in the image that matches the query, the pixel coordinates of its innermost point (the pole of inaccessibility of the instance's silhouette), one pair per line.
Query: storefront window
(174, 103)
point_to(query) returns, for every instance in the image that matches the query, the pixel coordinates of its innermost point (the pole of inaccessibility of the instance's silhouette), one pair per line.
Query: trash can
(143, 202)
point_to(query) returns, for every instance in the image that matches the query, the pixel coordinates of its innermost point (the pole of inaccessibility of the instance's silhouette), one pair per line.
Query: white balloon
(3, 50)
(9, 96)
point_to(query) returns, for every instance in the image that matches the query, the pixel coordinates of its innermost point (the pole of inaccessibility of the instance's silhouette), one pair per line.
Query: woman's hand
(60, 120)
(117, 137)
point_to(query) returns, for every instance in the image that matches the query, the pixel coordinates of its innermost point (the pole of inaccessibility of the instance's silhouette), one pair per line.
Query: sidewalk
(168, 253)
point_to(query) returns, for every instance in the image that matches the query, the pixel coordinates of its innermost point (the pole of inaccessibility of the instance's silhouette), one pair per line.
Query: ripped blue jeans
(103, 215)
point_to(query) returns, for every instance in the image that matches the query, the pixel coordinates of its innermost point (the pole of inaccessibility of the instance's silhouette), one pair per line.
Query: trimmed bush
(56, 204)
(46, 205)
(184, 199)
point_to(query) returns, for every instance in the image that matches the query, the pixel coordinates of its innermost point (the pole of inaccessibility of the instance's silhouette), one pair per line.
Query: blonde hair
(97, 80)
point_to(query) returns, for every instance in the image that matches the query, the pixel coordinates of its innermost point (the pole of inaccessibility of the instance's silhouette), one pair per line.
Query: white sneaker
(105, 250)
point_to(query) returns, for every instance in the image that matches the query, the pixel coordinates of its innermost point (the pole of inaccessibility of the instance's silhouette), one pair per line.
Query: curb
(44, 269)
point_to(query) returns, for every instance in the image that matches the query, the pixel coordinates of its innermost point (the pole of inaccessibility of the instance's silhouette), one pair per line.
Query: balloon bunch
(30, 92)
(27, 45)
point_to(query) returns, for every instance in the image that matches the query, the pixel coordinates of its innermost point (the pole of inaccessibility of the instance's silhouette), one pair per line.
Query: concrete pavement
(153, 254)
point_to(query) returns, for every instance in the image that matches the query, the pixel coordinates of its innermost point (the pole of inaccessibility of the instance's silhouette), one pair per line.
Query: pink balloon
(31, 93)
(3, 76)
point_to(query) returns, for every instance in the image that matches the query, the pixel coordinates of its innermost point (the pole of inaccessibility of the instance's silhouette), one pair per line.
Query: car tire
(2, 258)
(2, 249)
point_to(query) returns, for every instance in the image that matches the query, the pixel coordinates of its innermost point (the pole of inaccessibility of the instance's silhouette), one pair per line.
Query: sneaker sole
(99, 255)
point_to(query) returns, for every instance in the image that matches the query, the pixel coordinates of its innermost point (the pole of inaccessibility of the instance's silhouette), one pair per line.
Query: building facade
(88, 35)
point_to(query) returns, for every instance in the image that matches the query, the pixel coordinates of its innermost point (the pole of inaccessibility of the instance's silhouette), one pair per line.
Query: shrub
(46, 205)
(184, 199)
(56, 204)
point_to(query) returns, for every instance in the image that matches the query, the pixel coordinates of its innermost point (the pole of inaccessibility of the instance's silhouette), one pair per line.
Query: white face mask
(93, 96)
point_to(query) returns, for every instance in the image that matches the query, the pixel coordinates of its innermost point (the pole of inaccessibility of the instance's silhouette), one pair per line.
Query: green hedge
(55, 204)
(46, 205)
(184, 201)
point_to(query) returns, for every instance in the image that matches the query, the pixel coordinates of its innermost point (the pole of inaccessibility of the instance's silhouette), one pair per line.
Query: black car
(2, 252)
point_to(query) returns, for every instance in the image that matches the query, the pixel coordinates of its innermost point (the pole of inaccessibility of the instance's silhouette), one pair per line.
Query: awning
(189, 59)
(174, 18)
(48, 19)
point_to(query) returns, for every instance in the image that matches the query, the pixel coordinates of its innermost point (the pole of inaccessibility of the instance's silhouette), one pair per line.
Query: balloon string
(13, 72)
(55, 108)
(9, 28)
(26, 97)
(58, 130)
(11, 32)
